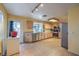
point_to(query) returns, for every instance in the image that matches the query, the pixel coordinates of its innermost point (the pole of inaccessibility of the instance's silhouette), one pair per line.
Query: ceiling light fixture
(36, 8)
(53, 20)
(41, 5)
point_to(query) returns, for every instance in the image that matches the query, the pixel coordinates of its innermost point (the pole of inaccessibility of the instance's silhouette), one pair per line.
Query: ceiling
(49, 9)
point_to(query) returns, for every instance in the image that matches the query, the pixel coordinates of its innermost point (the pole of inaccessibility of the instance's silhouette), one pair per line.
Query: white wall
(73, 30)
(1, 30)
(12, 46)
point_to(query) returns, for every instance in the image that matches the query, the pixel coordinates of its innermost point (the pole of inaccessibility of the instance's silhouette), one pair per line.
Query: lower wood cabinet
(28, 37)
(32, 37)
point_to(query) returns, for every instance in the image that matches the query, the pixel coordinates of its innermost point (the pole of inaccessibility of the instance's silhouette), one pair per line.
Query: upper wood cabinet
(47, 26)
(29, 24)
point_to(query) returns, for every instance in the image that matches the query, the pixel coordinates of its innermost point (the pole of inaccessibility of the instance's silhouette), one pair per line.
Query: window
(37, 27)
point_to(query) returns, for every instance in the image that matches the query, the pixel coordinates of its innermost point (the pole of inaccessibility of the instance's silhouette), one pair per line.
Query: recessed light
(44, 16)
(36, 9)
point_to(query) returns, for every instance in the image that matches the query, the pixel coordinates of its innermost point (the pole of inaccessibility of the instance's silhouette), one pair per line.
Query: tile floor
(48, 47)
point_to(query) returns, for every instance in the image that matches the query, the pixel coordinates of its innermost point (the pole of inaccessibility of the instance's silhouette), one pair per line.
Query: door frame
(21, 28)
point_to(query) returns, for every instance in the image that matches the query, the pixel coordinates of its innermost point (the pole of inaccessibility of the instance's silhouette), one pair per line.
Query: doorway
(16, 26)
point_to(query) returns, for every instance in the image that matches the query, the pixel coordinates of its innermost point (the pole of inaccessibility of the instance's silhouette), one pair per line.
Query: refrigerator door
(64, 42)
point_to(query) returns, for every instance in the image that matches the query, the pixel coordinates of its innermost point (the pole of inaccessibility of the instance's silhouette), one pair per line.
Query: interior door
(64, 41)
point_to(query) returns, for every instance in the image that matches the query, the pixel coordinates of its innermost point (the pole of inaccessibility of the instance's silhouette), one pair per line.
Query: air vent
(44, 16)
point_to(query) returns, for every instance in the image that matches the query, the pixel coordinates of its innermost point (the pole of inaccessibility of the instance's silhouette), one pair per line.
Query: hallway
(49, 47)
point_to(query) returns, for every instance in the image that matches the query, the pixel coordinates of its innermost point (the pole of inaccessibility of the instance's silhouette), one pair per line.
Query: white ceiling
(49, 9)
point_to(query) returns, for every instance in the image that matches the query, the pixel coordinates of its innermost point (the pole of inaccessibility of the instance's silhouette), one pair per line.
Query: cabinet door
(29, 24)
(64, 42)
(28, 37)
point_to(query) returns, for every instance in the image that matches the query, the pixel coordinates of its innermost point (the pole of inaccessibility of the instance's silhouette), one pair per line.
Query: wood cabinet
(32, 37)
(29, 24)
(28, 37)
(47, 26)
